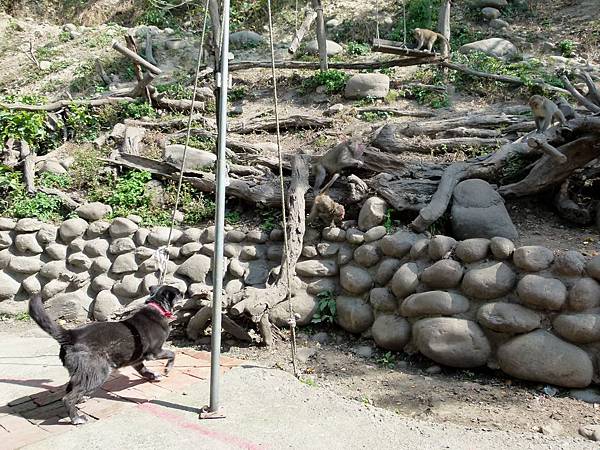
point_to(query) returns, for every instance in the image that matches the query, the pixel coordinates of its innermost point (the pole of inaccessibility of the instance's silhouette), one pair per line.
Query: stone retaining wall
(531, 313)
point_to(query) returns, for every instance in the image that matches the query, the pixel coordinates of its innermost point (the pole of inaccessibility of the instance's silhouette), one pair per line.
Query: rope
(292, 318)
(404, 20)
(377, 19)
(162, 254)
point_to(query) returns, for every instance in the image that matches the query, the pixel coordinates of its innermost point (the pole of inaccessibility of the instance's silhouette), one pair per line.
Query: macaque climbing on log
(344, 155)
(545, 113)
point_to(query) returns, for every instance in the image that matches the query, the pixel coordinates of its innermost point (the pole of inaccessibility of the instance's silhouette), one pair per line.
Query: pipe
(215, 351)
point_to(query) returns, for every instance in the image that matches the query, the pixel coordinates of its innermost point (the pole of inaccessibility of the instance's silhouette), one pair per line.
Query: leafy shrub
(356, 48)
(175, 90)
(419, 14)
(333, 80)
(138, 110)
(128, 193)
(567, 48)
(86, 169)
(327, 308)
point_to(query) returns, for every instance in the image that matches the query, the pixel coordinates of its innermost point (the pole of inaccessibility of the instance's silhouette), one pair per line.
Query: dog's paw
(151, 375)
(79, 420)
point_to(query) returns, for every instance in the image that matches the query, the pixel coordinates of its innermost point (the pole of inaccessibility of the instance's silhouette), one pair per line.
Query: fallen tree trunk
(308, 65)
(296, 121)
(394, 111)
(433, 146)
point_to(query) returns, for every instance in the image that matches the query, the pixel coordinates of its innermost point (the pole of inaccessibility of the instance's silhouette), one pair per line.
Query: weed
(388, 360)
(233, 217)
(327, 309)
(22, 126)
(269, 219)
(175, 90)
(388, 223)
(161, 18)
(246, 12)
(374, 116)
(309, 381)
(129, 192)
(419, 14)
(430, 97)
(236, 94)
(357, 48)
(440, 225)
(567, 48)
(138, 110)
(55, 180)
(333, 80)
(86, 169)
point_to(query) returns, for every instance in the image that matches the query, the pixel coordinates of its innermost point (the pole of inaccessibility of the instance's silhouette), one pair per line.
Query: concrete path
(264, 408)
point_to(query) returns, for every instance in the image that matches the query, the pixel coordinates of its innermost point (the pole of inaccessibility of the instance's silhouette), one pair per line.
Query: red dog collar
(160, 309)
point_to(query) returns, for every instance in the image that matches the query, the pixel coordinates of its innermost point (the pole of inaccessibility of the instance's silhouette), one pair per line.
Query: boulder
(5, 239)
(452, 342)
(499, 4)
(508, 318)
(540, 356)
(533, 258)
(79, 261)
(478, 211)
(391, 332)
(25, 264)
(375, 233)
(405, 280)
(444, 274)
(28, 243)
(93, 211)
(7, 224)
(122, 227)
(8, 286)
(190, 235)
(490, 13)
(76, 245)
(434, 303)
(420, 249)
(372, 212)
(367, 255)
(501, 248)
(160, 235)
(593, 268)
(102, 283)
(440, 246)
(234, 286)
(101, 264)
(97, 229)
(496, 47)
(54, 270)
(316, 268)
(320, 285)
(578, 328)
(208, 235)
(120, 246)
(333, 48)
(56, 251)
(353, 236)
(328, 249)
(96, 247)
(195, 268)
(71, 306)
(499, 24)
(541, 292)
(382, 299)
(195, 159)
(489, 281)
(245, 38)
(193, 247)
(386, 270)
(128, 286)
(367, 85)
(334, 234)
(257, 236)
(257, 272)
(304, 305)
(472, 250)
(124, 263)
(235, 236)
(570, 264)
(584, 294)
(398, 244)
(32, 284)
(72, 229)
(355, 280)
(54, 287)
(47, 234)
(353, 314)
(105, 305)
(345, 254)
(28, 225)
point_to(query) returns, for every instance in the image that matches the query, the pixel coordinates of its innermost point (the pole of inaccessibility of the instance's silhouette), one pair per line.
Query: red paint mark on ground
(180, 421)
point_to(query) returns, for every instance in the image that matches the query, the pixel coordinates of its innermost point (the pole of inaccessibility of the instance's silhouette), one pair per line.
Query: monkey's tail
(40, 316)
(446, 41)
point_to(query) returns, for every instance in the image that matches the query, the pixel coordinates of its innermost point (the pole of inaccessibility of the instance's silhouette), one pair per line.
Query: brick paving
(35, 417)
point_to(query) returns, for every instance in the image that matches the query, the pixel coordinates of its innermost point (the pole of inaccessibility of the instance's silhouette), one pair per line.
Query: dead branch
(136, 58)
(101, 72)
(67, 200)
(148, 54)
(592, 88)
(309, 18)
(502, 78)
(295, 121)
(31, 55)
(172, 123)
(540, 144)
(394, 111)
(578, 96)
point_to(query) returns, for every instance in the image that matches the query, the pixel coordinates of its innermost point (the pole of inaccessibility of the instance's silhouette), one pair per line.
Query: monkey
(545, 112)
(325, 208)
(424, 36)
(344, 155)
(565, 108)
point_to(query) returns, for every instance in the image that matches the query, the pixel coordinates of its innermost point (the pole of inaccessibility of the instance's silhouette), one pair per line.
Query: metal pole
(215, 350)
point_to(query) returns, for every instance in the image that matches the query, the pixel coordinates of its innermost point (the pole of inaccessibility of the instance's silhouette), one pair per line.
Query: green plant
(357, 48)
(82, 124)
(419, 14)
(236, 94)
(232, 217)
(567, 48)
(158, 17)
(269, 219)
(333, 80)
(129, 193)
(309, 381)
(175, 90)
(388, 223)
(387, 360)
(23, 126)
(373, 116)
(86, 169)
(138, 110)
(429, 97)
(327, 308)
(440, 225)
(55, 180)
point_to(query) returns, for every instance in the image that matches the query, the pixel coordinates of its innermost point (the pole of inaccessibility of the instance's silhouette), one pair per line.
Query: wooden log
(578, 96)
(321, 34)
(398, 48)
(171, 123)
(142, 87)
(309, 18)
(148, 53)
(502, 78)
(393, 111)
(61, 104)
(235, 330)
(295, 121)
(178, 105)
(136, 58)
(570, 210)
(592, 88)
(67, 200)
(132, 140)
(101, 72)
(28, 159)
(540, 144)
(308, 65)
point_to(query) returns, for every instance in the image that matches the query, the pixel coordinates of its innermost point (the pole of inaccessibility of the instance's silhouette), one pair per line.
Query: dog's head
(168, 297)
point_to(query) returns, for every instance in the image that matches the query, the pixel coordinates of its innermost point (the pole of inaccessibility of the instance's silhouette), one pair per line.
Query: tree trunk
(309, 18)
(321, 34)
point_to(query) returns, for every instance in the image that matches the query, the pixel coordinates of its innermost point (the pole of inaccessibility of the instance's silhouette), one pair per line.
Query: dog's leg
(88, 372)
(169, 356)
(145, 372)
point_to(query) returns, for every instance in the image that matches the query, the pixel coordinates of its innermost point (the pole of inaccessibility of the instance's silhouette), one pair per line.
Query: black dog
(90, 352)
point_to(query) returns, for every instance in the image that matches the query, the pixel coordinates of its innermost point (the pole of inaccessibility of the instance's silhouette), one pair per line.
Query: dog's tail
(41, 317)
